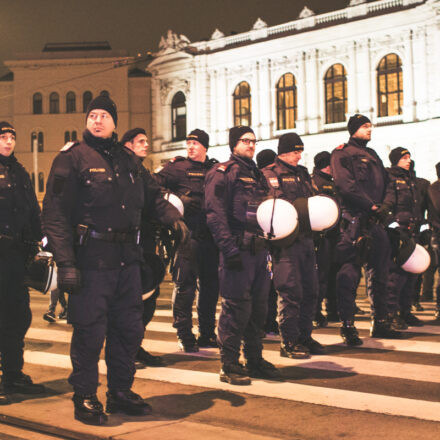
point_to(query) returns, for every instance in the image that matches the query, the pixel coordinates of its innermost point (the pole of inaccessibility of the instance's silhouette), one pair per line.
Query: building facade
(379, 58)
(46, 94)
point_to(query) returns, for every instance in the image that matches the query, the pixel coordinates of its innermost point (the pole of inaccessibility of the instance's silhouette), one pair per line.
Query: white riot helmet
(418, 260)
(175, 201)
(279, 221)
(42, 273)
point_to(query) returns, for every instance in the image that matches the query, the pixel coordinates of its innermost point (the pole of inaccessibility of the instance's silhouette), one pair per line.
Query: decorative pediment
(259, 24)
(217, 34)
(356, 2)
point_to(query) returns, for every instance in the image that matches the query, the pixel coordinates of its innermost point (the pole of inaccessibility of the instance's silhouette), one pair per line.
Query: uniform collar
(8, 160)
(361, 143)
(399, 171)
(291, 168)
(249, 163)
(325, 176)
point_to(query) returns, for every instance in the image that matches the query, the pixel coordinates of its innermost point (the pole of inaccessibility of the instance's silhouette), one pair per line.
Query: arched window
(242, 104)
(39, 138)
(286, 102)
(40, 182)
(70, 136)
(74, 136)
(54, 103)
(178, 116)
(70, 102)
(87, 97)
(66, 137)
(389, 86)
(335, 94)
(37, 103)
(33, 180)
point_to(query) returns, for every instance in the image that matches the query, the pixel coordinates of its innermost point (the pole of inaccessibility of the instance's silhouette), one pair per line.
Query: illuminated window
(54, 103)
(37, 102)
(286, 102)
(70, 102)
(335, 82)
(178, 116)
(40, 182)
(389, 86)
(242, 104)
(38, 138)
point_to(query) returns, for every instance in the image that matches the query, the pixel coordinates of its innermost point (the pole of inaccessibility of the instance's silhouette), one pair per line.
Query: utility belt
(7, 242)
(251, 242)
(84, 233)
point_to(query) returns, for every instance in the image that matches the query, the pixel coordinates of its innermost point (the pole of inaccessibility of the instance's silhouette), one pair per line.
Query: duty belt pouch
(6, 243)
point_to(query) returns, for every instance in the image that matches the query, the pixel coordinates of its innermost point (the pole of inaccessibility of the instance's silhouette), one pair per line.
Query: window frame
(241, 118)
(282, 108)
(331, 78)
(387, 72)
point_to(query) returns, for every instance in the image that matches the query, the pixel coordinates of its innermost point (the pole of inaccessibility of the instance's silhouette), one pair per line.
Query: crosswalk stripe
(346, 364)
(353, 400)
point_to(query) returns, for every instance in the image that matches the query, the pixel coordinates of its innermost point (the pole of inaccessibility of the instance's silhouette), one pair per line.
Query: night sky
(136, 25)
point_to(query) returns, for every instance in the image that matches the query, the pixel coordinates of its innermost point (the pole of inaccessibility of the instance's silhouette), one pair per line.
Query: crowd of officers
(101, 214)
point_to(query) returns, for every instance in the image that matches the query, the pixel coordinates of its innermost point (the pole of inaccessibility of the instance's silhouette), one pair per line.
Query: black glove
(425, 237)
(234, 262)
(191, 205)
(181, 232)
(69, 279)
(382, 213)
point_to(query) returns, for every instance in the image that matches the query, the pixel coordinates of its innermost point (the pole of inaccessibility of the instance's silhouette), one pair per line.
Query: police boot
(235, 374)
(63, 314)
(148, 359)
(350, 334)
(320, 320)
(187, 343)
(22, 384)
(411, 319)
(207, 341)
(49, 316)
(127, 402)
(4, 398)
(312, 344)
(381, 328)
(396, 322)
(294, 350)
(262, 369)
(88, 409)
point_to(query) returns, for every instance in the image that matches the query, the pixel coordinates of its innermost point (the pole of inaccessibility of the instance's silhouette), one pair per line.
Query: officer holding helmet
(294, 266)
(19, 227)
(91, 216)
(197, 264)
(244, 279)
(360, 179)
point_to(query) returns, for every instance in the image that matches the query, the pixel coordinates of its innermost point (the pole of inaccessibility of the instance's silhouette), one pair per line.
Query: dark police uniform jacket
(403, 197)
(229, 188)
(434, 205)
(323, 184)
(359, 176)
(19, 209)
(99, 184)
(186, 178)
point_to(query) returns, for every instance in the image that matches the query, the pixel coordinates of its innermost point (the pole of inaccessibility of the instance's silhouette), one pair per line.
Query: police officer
(294, 267)
(136, 140)
(91, 216)
(434, 220)
(244, 279)
(20, 228)
(325, 244)
(199, 261)
(360, 179)
(403, 200)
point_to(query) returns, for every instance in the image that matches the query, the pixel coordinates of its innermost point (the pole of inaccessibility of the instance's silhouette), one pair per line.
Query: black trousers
(108, 307)
(15, 313)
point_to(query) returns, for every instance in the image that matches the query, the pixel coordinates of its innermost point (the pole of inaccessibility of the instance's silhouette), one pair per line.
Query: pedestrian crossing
(394, 377)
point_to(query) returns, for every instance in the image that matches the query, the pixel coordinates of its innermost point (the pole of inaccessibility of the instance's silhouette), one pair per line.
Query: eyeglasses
(248, 141)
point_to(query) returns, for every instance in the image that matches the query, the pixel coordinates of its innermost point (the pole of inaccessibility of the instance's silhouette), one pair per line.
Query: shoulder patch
(340, 147)
(223, 167)
(69, 145)
(274, 183)
(177, 159)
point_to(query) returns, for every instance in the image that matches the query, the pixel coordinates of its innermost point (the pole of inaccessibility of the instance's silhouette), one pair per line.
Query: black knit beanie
(437, 168)
(355, 122)
(265, 158)
(397, 154)
(290, 142)
(235, 133)
(103, 102)
(6, 127)
(322, 160)
(200, 136)
(131, 134)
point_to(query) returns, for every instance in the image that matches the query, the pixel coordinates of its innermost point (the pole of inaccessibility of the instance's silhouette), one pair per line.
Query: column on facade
(301, 121)
(265, 101)
(365, 78)
(312, 90)
(409, 104)
(213, 105)
(256, 98)
(420, 76)
(157, 131)
(224, 106)
(352, 81)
